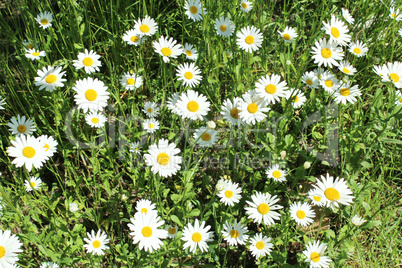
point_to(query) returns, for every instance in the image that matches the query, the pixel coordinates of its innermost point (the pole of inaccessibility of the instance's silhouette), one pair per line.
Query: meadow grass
(106, 180)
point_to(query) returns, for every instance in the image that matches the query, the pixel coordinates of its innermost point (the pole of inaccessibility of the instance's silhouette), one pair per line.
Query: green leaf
(175, 219)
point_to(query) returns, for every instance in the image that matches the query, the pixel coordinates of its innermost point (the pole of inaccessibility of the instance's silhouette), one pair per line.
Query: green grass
(98, 178)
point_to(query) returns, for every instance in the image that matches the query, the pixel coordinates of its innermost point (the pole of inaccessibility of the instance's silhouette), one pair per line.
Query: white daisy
(189, 74)
(206, 137)
(333, 192)
(357, 220)
(131, 81)
(314, 254)
(316, 198)
(381, 71)
(10, 246)
(230, 194)
(302, 213)
(196, 235)
(91, 94)
(27, 151)
(262, 208)
(398, 98)
(235, 233)
(28, 44)
(95, 119)
(230, 111)
(145, 206)
(151, 109)
(193, 105)
(224, 26)
(393, 73)
(329, 82)
(2, 103)
(172, 231)
(346, 15)
(33, 183)
(167, 48)
(49, 265)
(270, 88)
(150, 125)
(359, 49)
(337, 31)
(50, 78)
(276, 173)
(395, 14)
(96, 244)
(50, 144)
(89, 61)
(190, 52)
(21, 125)
(146, 26)
(44, 19)
(289, 34)
(347, 68)
(345, 93)
(172, 103)
(246, 6)
(133, 38)
(249, 39)
(163, 159)
(326, 53)
(135, 147)
(260, 245)
(34, 54)
(252, 108)
(145, 231)
(194, 10)
(310, 79)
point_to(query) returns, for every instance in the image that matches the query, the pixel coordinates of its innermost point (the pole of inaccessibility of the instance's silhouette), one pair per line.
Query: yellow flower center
(44, 21)
(51, 78)
(270, 89)
(357, 50)
(2, 251)
(193, 9)
(317, 198)
(234, 233)
(331, 194)
(146, 231)
(91, 95)
(328, 83)
(252, 108)
(96, 244)
(130, 81)
(150, 110)
(326, 53)
(296, 99)
(244, 5)
(151, 126)
(163, 159)
(188, 52)
(166, 51)
(46, 146)
(223, 28)
(21, 128)
(277, 174)
(250, 40)
(309, 82)
(134, 38)
(196, 237)
(193, 106)
(335, 32)
(263, 208)
(95, 120)
(235, 113)
(315, 257)
(30, 46)
(188, 75)
(28, 152)
(87, 61)
(206, 137)
(35, 54)
(400, 100)
(394, 77)
(32, 184)
(345, 70)
(286, 36)
(228, 193)
(144, 210)
(260, 245)
(144, 28)
(393, 15)
(345, 92)
(171, 230)
(300, 214)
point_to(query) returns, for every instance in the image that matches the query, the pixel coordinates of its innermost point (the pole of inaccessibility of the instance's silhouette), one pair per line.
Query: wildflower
(197, 236)
(44, 19)
(96, 244)
(249, 39)
(163, 159)
(50, 78)
(89, 61)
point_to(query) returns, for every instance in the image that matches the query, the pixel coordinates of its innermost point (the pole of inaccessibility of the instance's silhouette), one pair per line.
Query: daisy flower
(44, 19)
(230, 194)
(230, 111)
(314, 254)
(260, 245)
(270, 88)
(398, 98)
(151, 109)
(346, 15)
(146, 26)
(395, 14)
(193, 105)
(95, 119)
(302, 213)
(224, 26)
(359, 49)
(135, 147)
(21, 125)
(329, 82)
(50, 78)
(171, 230)
(163, 159)
(131, 81)
(145, 231)
(89, 61)
(326, 53)
(345, 93)
(316, 198)
(235, 233)
(172, 103)
(2, 103)
(33, 183)
(133, 38)
(28, 44)
(297, 97)
(188, 74)
(347, 68)
(252, 108)
(249, 39)
(196, 235)
(357, 220)
(27, 151)
(246, 6)
(96, 244)
(262, 208)
(381, 71)
(151, 125)
(337, 31)
(289, 34)
(34, 54)
(10, 246)
(144, 206)
(190, 52)
(276, 173)
(91, 94)
(49, 143)
(167, 48)
(49, 265)
(310, 79)
(333, 192)
(393, 73)
(206, 137)
(194, 10)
